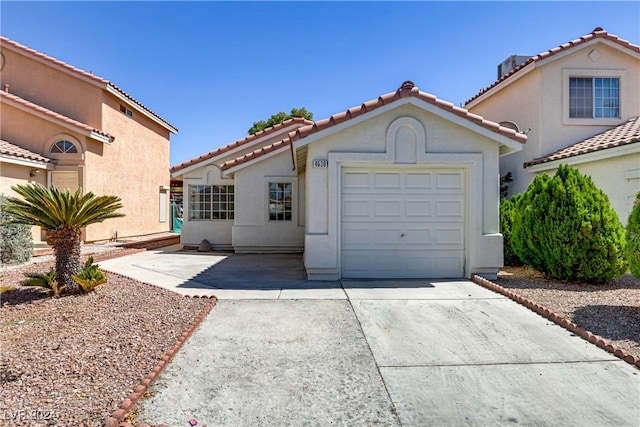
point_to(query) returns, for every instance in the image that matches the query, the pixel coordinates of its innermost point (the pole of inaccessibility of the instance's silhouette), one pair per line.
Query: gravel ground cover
(71, 361)
(611, 310)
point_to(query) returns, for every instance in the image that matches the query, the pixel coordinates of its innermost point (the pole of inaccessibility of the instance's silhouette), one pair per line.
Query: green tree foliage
(507, 208)
(63, 215)
(505, 180)
(279, 118)
(90, 276)
(565, 228)
(16, 241)
(633, 238)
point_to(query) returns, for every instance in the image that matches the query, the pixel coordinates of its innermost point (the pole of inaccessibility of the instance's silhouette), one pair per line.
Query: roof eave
(80, 128)
(118, 94)
(501, 85)
(21, 161)
(284, 131)
(576, 159)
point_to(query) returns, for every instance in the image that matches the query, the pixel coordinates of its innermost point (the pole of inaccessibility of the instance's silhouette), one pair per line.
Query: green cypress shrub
(16, 241)
(507, 207)
(633, 238)
(565, 228)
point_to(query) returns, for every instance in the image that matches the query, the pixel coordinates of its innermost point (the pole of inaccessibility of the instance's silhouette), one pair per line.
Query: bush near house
(633, 238)
(564, 227)
(16, 241)
(507, 207)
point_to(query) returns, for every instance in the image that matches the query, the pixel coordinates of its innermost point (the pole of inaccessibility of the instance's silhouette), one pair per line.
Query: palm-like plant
(63, 215)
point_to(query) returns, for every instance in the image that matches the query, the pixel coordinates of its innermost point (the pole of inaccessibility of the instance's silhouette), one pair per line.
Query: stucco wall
(51, 88)
(217, 232)
(252, 230)
(13, 174)
(539, 100)
(446, 144)
(134, 167)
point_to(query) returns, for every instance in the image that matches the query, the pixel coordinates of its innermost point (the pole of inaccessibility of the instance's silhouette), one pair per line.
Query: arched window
(64, 147)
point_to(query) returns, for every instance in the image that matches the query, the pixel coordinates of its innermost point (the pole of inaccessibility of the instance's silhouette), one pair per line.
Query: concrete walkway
(287, 352)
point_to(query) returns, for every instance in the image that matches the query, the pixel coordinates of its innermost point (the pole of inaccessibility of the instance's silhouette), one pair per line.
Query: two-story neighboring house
(63, 126)
(579, 104)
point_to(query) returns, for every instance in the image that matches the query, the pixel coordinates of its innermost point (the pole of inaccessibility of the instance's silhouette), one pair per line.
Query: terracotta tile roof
(240, 142)
(12, 150)
(597, 33)
(407, 90)
(624, 134)
(81, 73)
(83, 128)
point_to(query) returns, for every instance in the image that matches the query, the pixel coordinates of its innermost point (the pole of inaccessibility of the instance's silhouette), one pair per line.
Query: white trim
(257, 142)
(65, 124)
(594, 156)
(438, 111)
(4, 158)
(568, 73)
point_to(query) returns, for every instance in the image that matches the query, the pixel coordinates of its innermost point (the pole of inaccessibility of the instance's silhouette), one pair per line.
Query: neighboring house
(579, 104)
(66, 127)
(403, 186)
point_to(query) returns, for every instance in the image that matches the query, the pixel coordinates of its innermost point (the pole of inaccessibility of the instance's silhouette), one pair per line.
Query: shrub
(507, 207)
(633, 238)
(565, 228)
(16, 241)
(90, 276)
(47, 280)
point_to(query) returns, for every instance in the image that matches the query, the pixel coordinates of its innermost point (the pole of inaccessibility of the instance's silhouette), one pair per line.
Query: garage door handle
(402, 235)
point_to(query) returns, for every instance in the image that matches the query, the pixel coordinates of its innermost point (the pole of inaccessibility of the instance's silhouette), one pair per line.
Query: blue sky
(214, 68)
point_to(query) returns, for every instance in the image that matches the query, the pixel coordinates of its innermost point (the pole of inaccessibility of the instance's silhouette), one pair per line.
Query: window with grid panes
(211, 202)
(280, 201)
(594, 97)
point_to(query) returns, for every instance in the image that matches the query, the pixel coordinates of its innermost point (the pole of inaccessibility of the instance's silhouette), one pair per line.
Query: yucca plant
(63, 215)
(90, 276)
(46, 280)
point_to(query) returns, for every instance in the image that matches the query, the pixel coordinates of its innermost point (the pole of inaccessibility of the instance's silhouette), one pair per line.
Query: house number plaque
(320, 163)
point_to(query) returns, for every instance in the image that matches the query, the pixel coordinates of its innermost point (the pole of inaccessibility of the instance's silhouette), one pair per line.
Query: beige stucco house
(403, 186)
(579, 104)
(66, 127)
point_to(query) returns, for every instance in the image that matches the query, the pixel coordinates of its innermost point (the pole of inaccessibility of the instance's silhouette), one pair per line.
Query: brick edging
(118, 415)
(559, 320)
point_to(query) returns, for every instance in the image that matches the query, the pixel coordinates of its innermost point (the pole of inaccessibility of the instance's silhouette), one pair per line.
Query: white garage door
(403, 223)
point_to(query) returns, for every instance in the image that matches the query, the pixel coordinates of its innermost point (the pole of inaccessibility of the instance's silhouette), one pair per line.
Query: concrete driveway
(280, 351)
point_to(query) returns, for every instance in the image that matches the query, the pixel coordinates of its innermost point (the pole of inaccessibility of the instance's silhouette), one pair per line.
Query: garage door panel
(358, 237)
(371, 264)
(387, 208)
(382, 237)
(418, 208)
(387, 180)
(416, 180)
(449, 236)
(403, 223)
(449, 181)
(449, 209)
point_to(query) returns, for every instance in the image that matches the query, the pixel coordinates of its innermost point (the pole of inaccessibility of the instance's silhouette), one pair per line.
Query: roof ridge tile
(595, 34)
(79, 71)
(54, 114)
(386, 99)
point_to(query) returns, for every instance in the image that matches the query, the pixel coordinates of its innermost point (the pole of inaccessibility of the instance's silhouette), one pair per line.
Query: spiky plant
(63, 215)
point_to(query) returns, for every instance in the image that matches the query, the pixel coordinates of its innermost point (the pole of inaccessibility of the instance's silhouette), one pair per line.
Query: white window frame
(229, 212)
(568, 73)
(286, 181)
